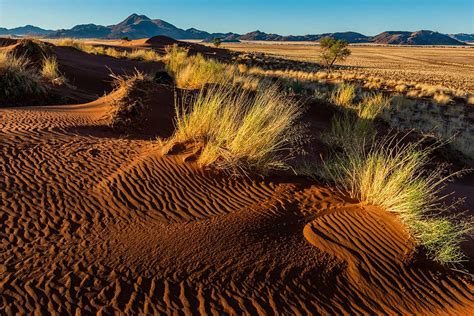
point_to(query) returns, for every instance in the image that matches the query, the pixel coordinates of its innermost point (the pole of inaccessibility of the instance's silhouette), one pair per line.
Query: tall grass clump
(199, 71)
(175, 57)
(193, 72)
(50, 71)
(442, 98)
(344, 95)
(17, 81)
(394, 174)
(355, 126)
(144, 55)
(239, 131)
(397, 177)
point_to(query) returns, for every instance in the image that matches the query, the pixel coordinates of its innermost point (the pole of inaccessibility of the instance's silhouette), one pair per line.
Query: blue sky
(283, 17)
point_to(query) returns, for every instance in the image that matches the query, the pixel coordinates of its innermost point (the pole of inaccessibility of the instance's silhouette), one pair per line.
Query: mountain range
(140, 26)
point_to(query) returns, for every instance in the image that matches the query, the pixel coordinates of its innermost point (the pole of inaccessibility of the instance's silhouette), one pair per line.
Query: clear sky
(241, 16)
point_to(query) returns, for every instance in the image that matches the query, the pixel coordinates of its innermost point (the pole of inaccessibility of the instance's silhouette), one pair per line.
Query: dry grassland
(450, 67)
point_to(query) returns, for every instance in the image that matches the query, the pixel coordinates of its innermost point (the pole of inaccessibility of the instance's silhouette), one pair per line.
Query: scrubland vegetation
(440, 95)
(243, 123)
(433, 68)
(240, 132)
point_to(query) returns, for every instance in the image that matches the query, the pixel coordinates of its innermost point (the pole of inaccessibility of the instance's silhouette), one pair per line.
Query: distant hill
(83, 31)
(415, 38)
(225, 38)
(134, 27)
(463, 37)
(140, 26)
(351, 37)
(25, 30)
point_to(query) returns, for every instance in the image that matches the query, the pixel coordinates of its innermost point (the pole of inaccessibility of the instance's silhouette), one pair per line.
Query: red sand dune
(92, 221)
(160, 42)
(91, 73)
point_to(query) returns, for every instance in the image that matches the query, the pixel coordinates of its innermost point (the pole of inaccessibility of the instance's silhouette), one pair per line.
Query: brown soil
(92, 221)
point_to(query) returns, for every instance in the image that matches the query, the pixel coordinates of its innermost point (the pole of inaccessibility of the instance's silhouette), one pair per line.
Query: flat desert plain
(451, 67)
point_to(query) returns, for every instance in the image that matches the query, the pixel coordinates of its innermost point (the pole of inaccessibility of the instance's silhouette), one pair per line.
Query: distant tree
(333, 50)
(125, 38)
(217, 42)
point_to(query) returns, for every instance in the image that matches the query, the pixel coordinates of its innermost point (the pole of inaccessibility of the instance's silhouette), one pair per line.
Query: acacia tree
(217, 42)
(333, 50)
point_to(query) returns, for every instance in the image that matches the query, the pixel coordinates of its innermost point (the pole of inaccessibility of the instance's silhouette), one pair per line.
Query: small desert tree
(333, 50)
(217, 42)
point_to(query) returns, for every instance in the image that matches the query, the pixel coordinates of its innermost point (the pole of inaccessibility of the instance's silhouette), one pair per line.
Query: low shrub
(128, 108)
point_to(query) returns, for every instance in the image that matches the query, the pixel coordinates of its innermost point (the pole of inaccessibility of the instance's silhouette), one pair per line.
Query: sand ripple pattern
(94, 222)
(375, 249)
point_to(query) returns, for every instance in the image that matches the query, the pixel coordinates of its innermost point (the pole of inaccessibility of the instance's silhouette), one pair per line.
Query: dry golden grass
(450, 67)
(240, 132)
(394, 176)
(194, 72)
(344, 95)
(50, 71)
(470, 100)
(442, 98)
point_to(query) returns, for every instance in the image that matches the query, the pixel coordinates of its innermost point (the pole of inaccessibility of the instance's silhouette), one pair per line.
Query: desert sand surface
(451, 67)
(94, 221)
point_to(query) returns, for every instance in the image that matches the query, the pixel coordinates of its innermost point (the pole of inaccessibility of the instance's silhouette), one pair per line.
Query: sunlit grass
(239, 131)
(344, 95)
(396, 177)
(50, 71)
